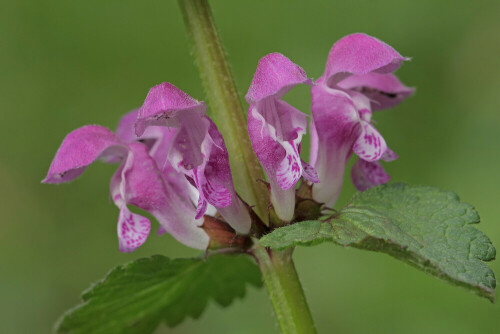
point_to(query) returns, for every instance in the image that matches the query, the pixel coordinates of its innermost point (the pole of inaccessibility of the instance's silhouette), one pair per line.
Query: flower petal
(236, 215)
(337, 126)
(215, 182)
(330, 166)
(192, 193)
(309, 173)
(270, 153)
(209, 191)
(212, 177)
(292, 122)
(185, 152)
(314, 143)
(289, 170)
(384, 90)
(275, 76)
(370, 145)
(360, 54)
(276, 133)
(362, 104)
(133, 230)
(80, 148)
(142, 184)
(201, 208)
(213, 174)
(283, 201)
(276, 128)
(365, 175)
(389, 155)
(167, 105)
(216, 194)
(157, 138)
(125, 128)
(197, 150)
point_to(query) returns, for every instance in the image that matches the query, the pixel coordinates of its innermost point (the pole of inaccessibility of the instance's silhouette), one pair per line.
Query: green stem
(277, 267)
(226, 109)
(285, 290)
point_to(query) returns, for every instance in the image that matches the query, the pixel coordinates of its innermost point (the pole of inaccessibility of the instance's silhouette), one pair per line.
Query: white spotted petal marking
(365, 175)
(309, 173)
(370, 145)
(290, 169)
(133, 230)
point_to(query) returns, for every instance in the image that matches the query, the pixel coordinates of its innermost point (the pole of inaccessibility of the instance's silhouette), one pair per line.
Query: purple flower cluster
(174, 163)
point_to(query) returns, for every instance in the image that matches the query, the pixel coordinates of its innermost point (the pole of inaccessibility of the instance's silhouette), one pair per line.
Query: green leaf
(138, 296)
(423, 226)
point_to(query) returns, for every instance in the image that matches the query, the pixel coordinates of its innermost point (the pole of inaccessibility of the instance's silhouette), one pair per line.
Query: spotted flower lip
(276, 129)
(366, 174)
(358, 79)
(197, 150)
(138, 182)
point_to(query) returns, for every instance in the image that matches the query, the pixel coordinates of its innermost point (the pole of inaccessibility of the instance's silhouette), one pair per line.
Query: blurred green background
(66, 63)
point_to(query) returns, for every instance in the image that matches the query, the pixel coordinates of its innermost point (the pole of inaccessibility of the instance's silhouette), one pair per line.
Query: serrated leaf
(423, 226)
(138, 296)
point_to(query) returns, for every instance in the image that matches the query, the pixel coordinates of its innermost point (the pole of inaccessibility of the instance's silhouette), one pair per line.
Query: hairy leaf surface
(138, 296)
(423, 226)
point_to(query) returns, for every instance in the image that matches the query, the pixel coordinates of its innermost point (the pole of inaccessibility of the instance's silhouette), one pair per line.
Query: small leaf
(423, 226)
(138, 296)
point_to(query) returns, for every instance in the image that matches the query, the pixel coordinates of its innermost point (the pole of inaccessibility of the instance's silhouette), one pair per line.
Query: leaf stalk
(285, 291)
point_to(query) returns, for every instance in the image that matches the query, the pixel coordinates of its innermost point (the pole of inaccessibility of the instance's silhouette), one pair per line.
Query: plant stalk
(226, 109)
(285, 291)
(277, 267)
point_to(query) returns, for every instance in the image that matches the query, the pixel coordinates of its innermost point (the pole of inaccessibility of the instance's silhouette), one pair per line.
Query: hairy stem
(226, 109)
(285, 290)
(277, 268)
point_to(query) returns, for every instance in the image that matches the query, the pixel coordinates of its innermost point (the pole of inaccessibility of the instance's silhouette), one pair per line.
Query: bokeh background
(66, 63)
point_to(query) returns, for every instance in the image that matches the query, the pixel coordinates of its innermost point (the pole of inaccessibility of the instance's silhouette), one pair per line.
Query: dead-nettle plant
(203, 180)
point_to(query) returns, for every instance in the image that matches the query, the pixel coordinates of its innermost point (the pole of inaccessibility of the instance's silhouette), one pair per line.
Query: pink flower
(197, 151)
(177, 159)
(358, 79)
(174, 163)
(276, 129)
(138, 181)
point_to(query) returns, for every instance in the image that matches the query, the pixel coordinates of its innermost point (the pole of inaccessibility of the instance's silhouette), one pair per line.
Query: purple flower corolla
(358, 79)
(159, 139)
(276, 129)
(138, 181)
(365, 175)
(197, 150)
